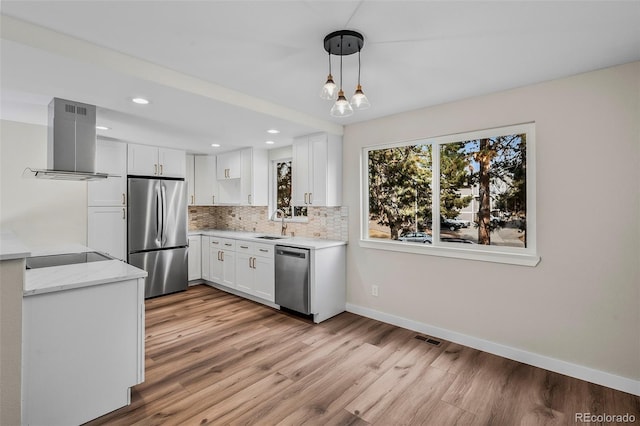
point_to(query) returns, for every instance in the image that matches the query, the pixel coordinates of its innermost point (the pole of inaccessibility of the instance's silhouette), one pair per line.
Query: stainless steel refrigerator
(157, 233)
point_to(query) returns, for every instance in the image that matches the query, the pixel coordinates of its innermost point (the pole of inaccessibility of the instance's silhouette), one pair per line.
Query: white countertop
(301, 242)
(67, 277)
(11, 247)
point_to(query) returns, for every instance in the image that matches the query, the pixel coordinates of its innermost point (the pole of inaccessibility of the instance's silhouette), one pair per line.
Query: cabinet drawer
(223, 243)
(263, 250)
(244, 247)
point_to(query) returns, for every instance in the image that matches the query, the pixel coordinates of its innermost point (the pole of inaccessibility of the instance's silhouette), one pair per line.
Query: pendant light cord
(340, 63)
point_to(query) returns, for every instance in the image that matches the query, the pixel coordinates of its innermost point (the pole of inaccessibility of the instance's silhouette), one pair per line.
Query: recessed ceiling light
(273, 131)
(102, 128)
(215, 145)
(141, 101)
(269, 142)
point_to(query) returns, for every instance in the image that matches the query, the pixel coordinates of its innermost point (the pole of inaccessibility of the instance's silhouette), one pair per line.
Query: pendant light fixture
(343, 43)
(329, 90)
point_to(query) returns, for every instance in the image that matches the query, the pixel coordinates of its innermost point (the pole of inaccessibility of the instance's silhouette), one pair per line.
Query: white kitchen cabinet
(190, 179)
(222, 261)
(107, 230)
(205, 249)
(254, 180)
(328, 293)
(255, 269)
(206, 183)
(317, 170)
(82, 351)
(111, 158)
(144, 160)
(228, 165)
(195, 257)
(251, 188)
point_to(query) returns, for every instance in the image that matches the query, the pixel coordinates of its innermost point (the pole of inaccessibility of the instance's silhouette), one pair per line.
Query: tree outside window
(481, 189)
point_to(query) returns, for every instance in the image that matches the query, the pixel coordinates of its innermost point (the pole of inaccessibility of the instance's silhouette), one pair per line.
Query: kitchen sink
(270, 237)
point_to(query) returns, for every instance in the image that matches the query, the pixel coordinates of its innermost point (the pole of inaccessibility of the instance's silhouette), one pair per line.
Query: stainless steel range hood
(71, 143)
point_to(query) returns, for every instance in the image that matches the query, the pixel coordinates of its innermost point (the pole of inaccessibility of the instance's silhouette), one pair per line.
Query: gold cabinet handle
(160, 169)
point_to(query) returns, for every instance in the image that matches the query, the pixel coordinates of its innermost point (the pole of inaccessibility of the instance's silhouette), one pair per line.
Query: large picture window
(468, 195)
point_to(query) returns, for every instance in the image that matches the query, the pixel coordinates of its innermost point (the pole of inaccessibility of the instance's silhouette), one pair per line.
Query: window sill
(292, 220)
(522, 259)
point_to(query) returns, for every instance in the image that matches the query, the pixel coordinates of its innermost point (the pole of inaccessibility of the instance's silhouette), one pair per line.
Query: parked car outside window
(416, 237)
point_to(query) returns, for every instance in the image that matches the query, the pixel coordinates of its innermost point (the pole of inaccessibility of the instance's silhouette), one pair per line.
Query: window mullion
(435, 194)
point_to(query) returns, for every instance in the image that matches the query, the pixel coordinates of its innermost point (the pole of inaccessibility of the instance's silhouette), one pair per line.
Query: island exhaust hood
(71, 143)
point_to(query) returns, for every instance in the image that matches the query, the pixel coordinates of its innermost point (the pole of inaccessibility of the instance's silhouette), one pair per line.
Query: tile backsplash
(329, 223)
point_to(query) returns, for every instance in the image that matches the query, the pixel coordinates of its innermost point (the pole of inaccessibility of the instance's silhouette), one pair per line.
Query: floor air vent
(429, 340)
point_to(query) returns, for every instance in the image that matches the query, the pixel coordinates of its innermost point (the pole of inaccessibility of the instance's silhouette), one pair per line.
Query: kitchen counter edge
(301, 242)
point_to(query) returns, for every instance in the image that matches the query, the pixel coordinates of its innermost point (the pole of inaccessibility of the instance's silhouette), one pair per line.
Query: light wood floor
(214, 358)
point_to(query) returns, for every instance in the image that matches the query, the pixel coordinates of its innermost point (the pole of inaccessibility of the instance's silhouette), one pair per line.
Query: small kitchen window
(281, 199)
(469, 195)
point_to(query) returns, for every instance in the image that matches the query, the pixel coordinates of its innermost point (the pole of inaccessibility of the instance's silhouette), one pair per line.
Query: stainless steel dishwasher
(292, 278)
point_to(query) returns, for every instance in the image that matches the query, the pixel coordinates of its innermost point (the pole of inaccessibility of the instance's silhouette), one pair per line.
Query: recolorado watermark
(604, 418)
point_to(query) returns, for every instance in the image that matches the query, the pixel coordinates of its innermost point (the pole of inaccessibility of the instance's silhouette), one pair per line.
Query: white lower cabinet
(205, 249)
(107, 230)
(82, 351)
(222, 258)
(255, 269)
(195, 257)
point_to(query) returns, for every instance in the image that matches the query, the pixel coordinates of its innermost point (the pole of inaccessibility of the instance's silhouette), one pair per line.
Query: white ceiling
(226, 71)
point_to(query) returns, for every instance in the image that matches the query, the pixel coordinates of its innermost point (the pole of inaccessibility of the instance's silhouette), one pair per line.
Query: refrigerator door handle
(158, 215)
(163, 196)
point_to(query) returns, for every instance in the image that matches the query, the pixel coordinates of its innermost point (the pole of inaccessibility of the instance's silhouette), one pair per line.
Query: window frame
(526, 256)
(273, 192)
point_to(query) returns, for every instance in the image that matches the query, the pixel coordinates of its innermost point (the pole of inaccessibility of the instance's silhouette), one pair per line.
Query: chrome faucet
(283, 230)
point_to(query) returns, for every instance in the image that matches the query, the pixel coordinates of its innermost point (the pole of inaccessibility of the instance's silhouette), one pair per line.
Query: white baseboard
(613, 381)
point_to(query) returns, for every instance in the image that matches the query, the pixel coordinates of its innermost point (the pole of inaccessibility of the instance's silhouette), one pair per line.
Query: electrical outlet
(374, 290)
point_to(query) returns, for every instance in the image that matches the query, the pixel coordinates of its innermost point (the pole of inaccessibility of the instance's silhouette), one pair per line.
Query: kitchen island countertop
(67, 277)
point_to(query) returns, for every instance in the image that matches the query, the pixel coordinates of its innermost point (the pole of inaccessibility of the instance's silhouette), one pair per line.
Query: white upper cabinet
(251, 186)
(190, 179)
(144, 160)
(228, 165)
(317, 170)
(111, 158)
(206, 184)
(254, 181)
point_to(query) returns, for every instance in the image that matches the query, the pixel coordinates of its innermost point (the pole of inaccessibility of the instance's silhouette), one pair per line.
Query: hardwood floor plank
(382, 394)
(215, 358)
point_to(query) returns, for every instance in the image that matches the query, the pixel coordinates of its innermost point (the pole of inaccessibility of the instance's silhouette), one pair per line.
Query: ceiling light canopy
(342, 43)
(141, 101)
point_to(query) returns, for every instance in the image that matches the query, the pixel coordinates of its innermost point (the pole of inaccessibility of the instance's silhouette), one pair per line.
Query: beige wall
(40, 212)
(581, 304)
